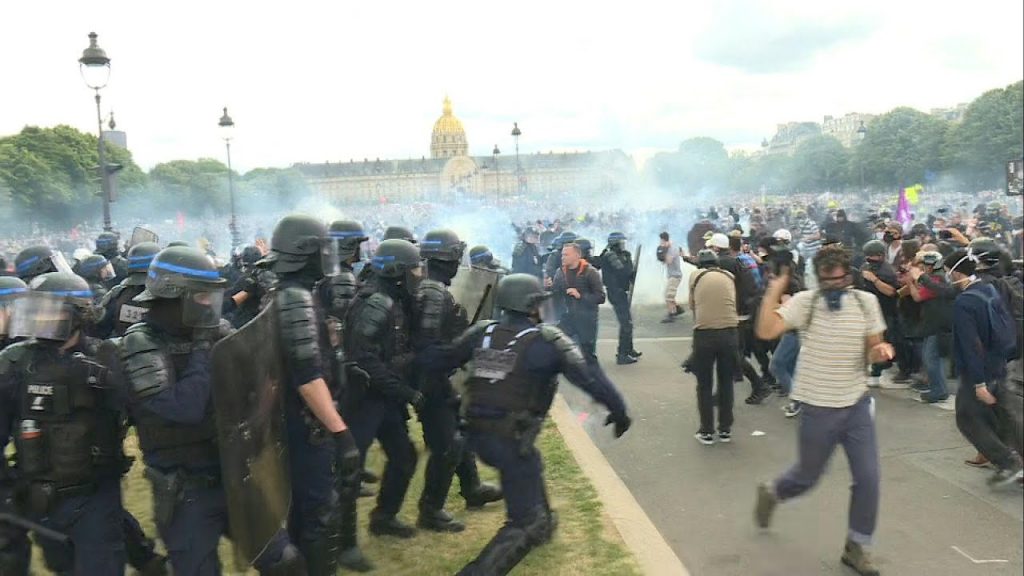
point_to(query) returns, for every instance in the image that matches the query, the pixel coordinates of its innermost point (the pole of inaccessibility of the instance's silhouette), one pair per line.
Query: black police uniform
(617, 273)
(377, 339)
(526, 259)
(67, 432)
(513, 380)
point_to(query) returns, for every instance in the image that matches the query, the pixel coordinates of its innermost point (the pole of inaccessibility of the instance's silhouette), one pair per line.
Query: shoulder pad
(565, 346)
(12, 356)
(373, 318)
(475, 332)
(111, 295)
(431, 299)
(518, 251)
(146, 367)
(299, 332)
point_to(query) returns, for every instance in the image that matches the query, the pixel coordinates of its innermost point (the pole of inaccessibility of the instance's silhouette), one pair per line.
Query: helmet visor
(330, 258)
(202, 309)
(44, 315)
(59, 263)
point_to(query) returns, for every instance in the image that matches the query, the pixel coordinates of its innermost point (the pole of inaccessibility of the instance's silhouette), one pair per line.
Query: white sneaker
(874, 381)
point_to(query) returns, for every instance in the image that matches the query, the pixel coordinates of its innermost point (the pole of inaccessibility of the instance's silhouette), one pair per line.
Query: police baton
(18, 521)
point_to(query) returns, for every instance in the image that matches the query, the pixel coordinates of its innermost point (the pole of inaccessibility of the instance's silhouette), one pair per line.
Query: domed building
(448, 138)
(452, 174)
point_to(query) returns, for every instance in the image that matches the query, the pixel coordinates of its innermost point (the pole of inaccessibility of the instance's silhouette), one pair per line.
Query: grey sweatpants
(820, 430)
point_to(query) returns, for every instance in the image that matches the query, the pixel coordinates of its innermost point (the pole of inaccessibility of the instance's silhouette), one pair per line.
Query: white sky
(314, 81)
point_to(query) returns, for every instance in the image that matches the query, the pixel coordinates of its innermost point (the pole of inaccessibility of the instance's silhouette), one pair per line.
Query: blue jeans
(783, 363)
(933, 366)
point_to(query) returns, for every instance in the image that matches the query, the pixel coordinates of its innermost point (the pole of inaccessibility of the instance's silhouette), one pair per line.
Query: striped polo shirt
(830, 371)
(807, 229)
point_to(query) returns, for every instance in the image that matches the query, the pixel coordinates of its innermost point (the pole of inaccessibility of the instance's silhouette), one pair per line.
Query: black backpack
(661, 252)
(1012, 292)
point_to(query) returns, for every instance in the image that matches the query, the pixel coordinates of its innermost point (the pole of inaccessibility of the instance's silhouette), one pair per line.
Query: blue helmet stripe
(341, 235)
(480, 256)
(204, 274)
(71, 293)
(9, 291)
(380, 262)
(24, 266)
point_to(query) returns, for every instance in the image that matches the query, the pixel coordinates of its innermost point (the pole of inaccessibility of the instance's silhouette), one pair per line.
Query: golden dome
(448, 137)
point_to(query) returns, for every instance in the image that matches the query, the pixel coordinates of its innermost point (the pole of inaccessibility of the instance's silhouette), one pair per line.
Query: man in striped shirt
(840, 331)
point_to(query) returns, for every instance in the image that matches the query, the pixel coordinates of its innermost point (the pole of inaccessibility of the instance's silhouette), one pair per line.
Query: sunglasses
(831, 278)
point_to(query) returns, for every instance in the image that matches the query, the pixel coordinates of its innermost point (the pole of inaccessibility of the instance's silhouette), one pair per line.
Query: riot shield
(636, 267)
(140, 235)
(474, 288)
(248, 396)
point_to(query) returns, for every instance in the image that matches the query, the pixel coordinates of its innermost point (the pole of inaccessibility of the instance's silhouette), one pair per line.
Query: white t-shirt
(830, 369)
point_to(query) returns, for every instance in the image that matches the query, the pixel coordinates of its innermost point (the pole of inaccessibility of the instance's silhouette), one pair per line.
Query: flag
(181, 222)
(912, 192)
(903, 210)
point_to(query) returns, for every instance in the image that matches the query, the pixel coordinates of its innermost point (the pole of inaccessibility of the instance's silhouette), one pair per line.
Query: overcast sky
(316, 81)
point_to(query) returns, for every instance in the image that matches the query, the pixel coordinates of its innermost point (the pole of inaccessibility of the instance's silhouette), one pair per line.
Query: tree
(700, 164)
(991, 133)
(901, 147)
(194, 187)
(819, 164)
(284, 185)
(52, 172)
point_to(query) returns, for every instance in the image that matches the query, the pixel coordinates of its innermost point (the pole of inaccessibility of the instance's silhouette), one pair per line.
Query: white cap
(718, 240)
(783, 234)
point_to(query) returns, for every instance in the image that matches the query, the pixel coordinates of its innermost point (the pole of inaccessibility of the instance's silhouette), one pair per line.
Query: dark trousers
(93, 522)
(982, 425)
(620, 304)
(193, 533)
(714, 352)
(386, 421)
(820, 431)
(582, 328)
(314, 511)
(522, 476)
(448, 454)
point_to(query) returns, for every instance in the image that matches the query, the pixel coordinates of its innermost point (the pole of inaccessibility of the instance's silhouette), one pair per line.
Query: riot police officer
(36, 260)
(481, 257)
(399, 233)
(554, 260)
(251, 291)
(165, 362)
(377, 339)
(107, 245)
(119, 312)
(616, 264)
(301, 254)
(340, 289)
(515, 363)
(526, 258)
(15, 549)
(66, 425)
(441, 320)
(11, 288)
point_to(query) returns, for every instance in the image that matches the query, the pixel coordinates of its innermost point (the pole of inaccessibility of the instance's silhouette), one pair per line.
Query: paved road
(937, 515)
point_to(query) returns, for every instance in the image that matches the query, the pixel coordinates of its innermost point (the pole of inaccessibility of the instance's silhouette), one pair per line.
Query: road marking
(968, 556)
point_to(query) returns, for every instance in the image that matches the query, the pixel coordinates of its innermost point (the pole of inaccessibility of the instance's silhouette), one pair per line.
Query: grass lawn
(586, 541)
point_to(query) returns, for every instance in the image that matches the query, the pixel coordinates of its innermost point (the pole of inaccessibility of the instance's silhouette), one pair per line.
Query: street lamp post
(861, 133)
(519, 168)
(95, 68)
(227, 126)
(497, 175)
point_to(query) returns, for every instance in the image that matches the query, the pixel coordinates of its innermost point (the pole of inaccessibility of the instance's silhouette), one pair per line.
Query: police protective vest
(152, 362)
(441, 318)
(499, 387)
(337, 292)
(69, 434)
(125, 311)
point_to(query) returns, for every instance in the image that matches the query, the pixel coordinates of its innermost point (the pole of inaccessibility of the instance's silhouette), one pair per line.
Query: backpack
(1002, 337)
(1012, 292)
(661, 253)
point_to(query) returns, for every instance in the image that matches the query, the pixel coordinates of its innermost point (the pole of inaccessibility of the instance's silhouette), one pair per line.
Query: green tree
(194, 187)
(699, 164)
(991, 133)
(52, 173)
(900, 148)
(820, 164)
(285, 185)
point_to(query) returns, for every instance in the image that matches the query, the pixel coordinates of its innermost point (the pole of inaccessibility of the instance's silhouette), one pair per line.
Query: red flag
(181, 222)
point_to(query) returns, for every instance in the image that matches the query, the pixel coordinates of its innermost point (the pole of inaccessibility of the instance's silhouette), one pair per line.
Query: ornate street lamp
(95, 68)
(227, 128)
(497, 175)
(516, 133)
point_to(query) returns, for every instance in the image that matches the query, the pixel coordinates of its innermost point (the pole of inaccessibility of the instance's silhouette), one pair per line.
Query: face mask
(888, 238)
(833, 298)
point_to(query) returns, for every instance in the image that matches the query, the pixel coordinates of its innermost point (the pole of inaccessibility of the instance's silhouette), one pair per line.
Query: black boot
(321, 556)
(508, 547)
(351, 556)
(384, 524)
(482, 493)
(439, 521)
(291, 563)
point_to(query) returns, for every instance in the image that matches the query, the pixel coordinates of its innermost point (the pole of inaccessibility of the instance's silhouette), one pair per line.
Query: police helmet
(296, 240)
(707, 258)
(250, 255)
(395, 258)
(177, 243)
(563, 239)
(399, 233)
(931, 259)
(106, 243)
(480, 256)
(56, 305)
(348, 234)
(874, 248)
(617, 239)
(189, 275)
(11, 287)
(36, 260)
(586, 247)
(93, 267)
(521, 293)
(139, 257)
(442, 245)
